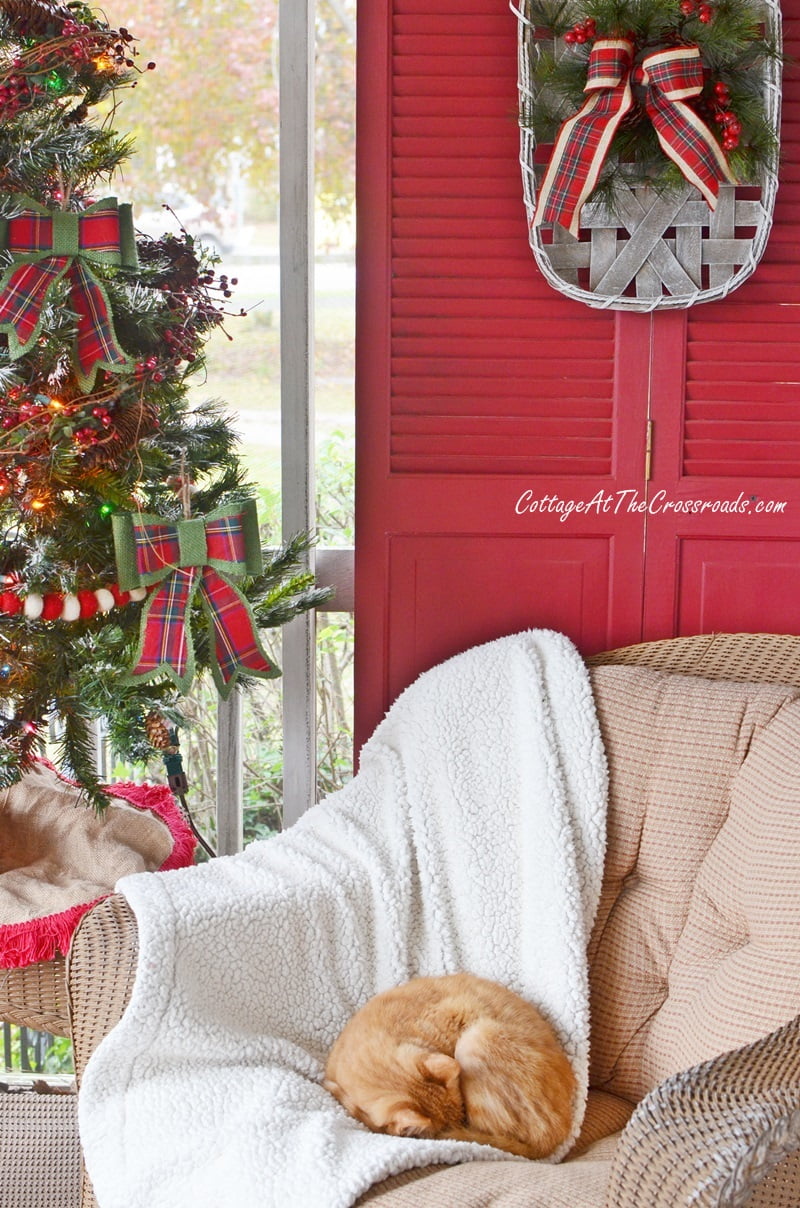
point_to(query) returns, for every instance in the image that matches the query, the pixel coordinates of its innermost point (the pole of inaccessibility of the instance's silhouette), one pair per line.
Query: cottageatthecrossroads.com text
(624, 502)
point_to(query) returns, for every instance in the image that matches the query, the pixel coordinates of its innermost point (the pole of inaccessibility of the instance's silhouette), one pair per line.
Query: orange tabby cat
(455, 1057)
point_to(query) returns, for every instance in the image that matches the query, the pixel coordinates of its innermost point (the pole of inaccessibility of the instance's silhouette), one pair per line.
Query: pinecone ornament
(158, 732)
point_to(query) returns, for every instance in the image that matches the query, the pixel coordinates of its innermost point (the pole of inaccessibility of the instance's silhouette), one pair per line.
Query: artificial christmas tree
(130, 554)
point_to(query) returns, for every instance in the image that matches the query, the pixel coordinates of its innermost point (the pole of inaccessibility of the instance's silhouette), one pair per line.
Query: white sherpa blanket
(472, 838)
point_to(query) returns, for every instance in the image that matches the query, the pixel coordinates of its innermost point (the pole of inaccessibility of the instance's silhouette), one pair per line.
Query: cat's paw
(408, 1123)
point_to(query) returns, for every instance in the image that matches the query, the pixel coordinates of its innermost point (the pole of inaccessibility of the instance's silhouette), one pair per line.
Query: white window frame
(296, 46)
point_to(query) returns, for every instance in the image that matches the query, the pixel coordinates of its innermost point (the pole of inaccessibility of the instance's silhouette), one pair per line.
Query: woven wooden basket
(655, 252)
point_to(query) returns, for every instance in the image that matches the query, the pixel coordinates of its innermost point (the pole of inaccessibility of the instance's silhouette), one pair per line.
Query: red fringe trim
(40, 939)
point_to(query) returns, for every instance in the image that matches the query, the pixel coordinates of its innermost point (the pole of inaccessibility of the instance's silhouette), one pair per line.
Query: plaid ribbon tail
(674, 76)
(23, 294)
(583, 142)
(96, 344)
(237, 647)
(165, 645)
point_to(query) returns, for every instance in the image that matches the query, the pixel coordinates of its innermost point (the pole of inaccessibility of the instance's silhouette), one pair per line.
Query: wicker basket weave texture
(99, 983)
(102, 964)
(35, 996)
(40, 1159)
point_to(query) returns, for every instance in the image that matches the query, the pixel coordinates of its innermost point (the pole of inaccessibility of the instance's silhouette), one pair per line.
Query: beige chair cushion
(578, 1183)
(696, 948)
(56, 852)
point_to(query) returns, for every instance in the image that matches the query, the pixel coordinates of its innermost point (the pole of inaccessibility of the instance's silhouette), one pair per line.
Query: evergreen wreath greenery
(730, 36)
(71, 457)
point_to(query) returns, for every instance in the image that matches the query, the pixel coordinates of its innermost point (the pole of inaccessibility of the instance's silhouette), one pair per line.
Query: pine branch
(76, 750)
(732, 50)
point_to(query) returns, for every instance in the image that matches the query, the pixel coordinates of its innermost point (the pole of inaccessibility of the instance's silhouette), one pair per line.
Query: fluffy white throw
(472, 838)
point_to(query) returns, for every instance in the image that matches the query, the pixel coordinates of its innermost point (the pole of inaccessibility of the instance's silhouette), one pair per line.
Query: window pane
(206, 129)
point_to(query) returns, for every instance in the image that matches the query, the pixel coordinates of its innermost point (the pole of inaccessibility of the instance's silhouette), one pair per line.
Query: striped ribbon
(205, 554)
(583, 142)
(48, 245)
(670, 77)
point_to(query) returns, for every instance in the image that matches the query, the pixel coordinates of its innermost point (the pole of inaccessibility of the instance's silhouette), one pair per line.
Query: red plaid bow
(582, 144)
(671, 76)
(204, 553)
(47, 245)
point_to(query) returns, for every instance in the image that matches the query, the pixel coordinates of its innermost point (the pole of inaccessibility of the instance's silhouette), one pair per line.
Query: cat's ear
(408, 1123)
(438, 1067)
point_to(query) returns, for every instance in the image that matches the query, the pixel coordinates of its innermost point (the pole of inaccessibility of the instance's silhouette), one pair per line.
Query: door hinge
(648, 451)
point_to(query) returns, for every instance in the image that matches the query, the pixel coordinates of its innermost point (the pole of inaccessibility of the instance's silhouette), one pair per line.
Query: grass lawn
(244, 363)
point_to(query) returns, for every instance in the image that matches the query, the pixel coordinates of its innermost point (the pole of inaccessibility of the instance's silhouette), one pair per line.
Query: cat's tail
(510, 1144)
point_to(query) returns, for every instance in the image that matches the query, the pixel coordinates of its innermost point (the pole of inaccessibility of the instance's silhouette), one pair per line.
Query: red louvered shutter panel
(482, 392)
(476, 383)
(727, 430)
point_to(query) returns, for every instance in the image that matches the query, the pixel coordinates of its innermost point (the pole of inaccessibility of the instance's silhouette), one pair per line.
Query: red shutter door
(726, 410)
(486, 402)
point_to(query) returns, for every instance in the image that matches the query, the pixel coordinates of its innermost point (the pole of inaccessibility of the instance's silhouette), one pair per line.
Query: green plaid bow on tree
(48, 245)
(177, 559)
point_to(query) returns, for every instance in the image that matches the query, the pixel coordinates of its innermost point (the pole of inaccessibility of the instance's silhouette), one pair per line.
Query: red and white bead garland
(63, 606)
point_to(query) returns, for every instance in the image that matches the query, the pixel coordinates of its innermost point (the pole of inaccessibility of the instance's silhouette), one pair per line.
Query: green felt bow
(177, 558)
(48, 245)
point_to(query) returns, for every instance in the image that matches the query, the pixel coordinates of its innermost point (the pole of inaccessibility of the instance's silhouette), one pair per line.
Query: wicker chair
(725, 1133)
(36, 997)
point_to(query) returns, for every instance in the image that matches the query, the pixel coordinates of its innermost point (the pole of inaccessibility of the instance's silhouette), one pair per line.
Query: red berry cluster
(223, 284)
(582, 31)
(96, 428)
(17, 93)
(83, 46)
(186, 285)
(107, 49)
(696, 8)
(19, 408)
(725, 117)
(27, 416)
(181, 343)
(148, 368)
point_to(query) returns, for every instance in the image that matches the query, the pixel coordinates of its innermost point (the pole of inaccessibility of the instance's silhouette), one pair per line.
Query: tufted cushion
(696, 948)
(578, 1183)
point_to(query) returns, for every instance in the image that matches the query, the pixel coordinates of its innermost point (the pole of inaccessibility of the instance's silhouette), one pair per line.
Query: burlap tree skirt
(58, 857)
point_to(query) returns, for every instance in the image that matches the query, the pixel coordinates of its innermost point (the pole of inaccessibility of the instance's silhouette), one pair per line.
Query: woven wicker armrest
(100, 972)
(723, 1134)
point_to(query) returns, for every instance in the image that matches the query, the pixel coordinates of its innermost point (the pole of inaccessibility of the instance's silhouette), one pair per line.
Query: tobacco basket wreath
(637, 229)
